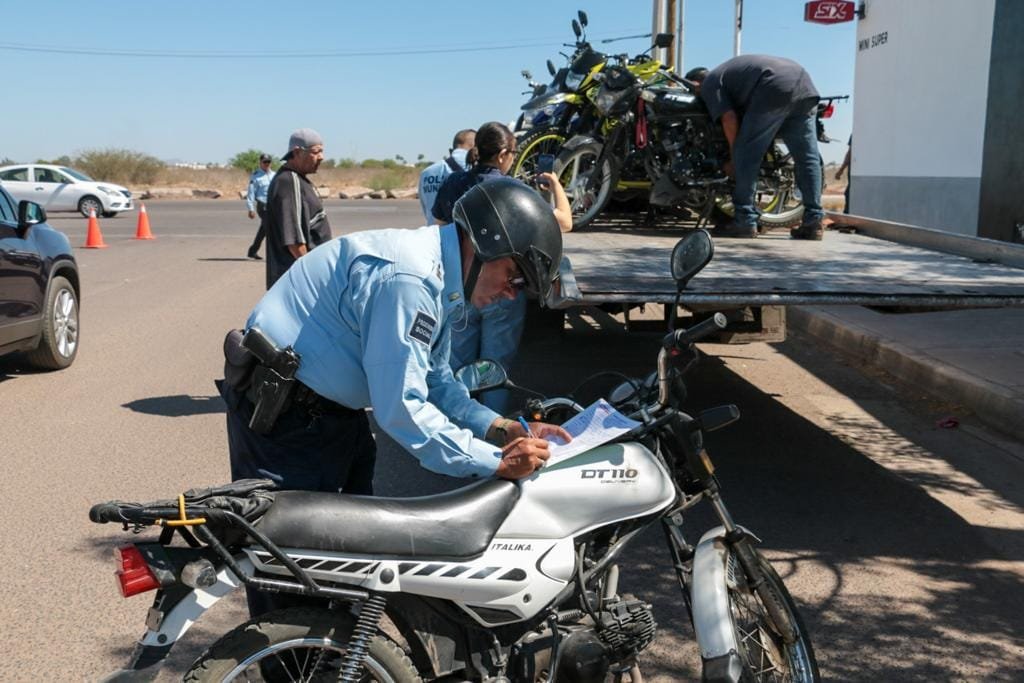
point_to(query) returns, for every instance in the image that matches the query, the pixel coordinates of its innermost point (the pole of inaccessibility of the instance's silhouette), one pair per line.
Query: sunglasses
(516, 283)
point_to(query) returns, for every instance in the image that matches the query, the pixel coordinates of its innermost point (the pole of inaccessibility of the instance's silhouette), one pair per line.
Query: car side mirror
(690, 255)
(29, 214)
(482, 375)
(663, 40)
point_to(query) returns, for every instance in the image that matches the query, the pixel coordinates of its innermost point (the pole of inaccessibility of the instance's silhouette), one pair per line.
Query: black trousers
(261, 210)
(309, 450)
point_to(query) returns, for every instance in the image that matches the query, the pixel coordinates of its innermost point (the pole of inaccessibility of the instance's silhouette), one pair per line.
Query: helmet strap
(471, 278)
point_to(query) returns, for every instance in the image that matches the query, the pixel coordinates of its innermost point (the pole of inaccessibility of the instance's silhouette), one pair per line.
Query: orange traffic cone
(93, 237)
(142, 231)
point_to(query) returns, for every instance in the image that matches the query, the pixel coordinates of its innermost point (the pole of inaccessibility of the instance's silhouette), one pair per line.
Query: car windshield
(77, 175)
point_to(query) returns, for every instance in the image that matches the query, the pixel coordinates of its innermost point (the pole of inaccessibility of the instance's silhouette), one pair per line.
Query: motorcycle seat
(455, 524)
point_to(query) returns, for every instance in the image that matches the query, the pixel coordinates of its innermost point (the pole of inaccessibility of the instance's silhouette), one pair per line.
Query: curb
(993, 404)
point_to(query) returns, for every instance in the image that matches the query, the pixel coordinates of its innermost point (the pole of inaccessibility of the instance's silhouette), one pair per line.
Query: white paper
(598, 424)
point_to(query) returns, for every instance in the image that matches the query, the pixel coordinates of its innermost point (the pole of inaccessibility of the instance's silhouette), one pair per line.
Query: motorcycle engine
(686, 160)
(589, 653)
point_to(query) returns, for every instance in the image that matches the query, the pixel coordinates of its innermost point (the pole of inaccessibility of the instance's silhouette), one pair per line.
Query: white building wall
(921, 89)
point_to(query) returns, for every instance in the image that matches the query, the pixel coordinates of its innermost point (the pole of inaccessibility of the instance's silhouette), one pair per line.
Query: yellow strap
(182, 519)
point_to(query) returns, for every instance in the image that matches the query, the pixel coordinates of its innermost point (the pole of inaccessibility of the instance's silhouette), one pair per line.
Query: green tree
(249, 160)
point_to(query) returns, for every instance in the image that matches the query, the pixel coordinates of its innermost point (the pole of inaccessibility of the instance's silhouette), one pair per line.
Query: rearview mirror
(576, 28)
(29, 214)
(482, 375)
(663, 40)
(690, 255)
(551, 67)
(583, 17)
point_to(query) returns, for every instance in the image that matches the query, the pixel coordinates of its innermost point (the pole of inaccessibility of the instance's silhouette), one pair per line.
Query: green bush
(249, 161)
(346, 163)
(119, 165)
(379, 163)
(387, 180)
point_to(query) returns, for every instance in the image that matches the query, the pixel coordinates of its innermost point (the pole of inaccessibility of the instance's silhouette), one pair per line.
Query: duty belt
(306, 399)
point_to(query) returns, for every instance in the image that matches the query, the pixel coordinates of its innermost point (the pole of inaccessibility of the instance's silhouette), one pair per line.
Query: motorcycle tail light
(133, 574)
(828, 111)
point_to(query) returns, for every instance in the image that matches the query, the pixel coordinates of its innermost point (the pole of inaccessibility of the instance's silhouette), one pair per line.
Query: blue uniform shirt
(259, 183)
(370, 315)
(433, 177)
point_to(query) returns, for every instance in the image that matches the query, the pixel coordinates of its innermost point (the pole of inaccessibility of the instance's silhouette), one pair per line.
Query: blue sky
(206, 108)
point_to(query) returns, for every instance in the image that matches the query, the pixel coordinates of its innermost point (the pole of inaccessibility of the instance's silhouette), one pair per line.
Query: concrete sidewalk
(971, 357)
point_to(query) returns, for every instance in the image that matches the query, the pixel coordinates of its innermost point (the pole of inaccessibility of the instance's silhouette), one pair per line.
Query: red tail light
(133, 574)
(828, 111)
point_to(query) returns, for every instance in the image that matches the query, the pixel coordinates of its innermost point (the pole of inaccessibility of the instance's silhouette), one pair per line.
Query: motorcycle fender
(578, 141)
(163, 632)
(712, 617)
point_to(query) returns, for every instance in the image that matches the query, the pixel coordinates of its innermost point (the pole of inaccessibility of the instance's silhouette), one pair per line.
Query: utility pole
(680, 10)
(738, 28)
(657, 24)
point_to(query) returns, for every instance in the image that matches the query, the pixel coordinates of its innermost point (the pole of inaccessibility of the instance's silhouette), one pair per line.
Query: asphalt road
(902, 542)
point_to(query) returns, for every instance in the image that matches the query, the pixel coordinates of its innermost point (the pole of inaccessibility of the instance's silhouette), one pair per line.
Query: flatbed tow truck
(620, 264)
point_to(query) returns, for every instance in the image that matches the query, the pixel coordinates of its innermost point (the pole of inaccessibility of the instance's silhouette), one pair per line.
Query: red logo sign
(829, 11)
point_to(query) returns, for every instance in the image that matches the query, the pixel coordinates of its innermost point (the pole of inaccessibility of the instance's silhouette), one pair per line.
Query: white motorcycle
(499, 581)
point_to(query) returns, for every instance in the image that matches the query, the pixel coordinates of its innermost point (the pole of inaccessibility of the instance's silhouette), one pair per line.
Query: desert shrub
(387, 180)
(249, 160)
(119, 165)
(346, 163)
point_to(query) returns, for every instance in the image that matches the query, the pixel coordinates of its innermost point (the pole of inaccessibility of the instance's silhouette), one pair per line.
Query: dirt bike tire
(270, 633)
(547, 140)
(752, 629)
(585, 208)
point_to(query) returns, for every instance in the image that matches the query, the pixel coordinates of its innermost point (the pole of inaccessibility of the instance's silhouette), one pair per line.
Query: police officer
(256, 199)
(370, 315)
(433, 176)
(494, 331)
(295, 221)
(757, 97)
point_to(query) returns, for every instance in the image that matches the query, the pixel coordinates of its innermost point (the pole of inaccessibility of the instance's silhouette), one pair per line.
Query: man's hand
(252, 214)
(522, 457)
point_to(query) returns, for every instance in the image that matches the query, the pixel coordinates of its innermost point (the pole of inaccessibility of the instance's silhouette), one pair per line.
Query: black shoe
(732, 230)
(811, 231)
(254, 255)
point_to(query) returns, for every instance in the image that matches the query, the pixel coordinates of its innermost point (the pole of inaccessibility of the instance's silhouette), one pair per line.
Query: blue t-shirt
(458, 184)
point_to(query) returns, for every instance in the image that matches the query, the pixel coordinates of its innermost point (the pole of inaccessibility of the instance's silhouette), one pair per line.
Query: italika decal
(610, 474)
(511, 546)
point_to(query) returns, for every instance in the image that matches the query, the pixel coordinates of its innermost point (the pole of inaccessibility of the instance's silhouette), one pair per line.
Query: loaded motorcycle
(499, 581)
(556, 111)
(660, 138)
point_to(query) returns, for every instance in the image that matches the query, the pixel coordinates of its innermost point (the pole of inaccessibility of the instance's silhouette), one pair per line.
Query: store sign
(830, 11)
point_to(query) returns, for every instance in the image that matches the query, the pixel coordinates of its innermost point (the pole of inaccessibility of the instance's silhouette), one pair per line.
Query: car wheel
(109, 214)
(89, 203)
(58, 344)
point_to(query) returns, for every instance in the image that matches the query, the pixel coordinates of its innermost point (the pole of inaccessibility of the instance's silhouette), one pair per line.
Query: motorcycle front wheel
(301, 644)
(588, 184)
(767, 657)
(543, 141)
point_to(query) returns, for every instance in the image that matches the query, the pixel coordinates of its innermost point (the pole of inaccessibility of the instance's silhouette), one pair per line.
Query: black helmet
(505, 218)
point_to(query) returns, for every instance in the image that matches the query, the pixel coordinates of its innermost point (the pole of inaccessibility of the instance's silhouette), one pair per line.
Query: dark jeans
(306, 450)
(796, 126)
(261, 210)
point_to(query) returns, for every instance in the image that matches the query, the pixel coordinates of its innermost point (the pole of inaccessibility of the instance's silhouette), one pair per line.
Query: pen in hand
(526, 427)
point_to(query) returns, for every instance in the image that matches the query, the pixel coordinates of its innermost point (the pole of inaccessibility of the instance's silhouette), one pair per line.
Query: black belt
(305, 398)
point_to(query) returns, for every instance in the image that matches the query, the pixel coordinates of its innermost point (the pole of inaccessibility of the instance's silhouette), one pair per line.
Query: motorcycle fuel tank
(674, 101)
(608, 484)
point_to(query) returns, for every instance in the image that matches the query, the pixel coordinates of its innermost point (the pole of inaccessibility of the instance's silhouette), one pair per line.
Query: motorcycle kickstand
(359, 644)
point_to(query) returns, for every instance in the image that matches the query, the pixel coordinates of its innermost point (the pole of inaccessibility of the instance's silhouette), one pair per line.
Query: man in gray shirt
(756, 98)
(295, 220)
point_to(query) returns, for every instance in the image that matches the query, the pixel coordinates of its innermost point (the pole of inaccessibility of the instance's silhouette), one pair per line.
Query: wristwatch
(501, 429)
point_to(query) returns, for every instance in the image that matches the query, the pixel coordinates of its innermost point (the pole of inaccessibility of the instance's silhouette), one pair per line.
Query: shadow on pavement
(178, 405)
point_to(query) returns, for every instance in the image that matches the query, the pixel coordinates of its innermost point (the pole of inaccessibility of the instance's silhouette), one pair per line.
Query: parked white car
(59, 188)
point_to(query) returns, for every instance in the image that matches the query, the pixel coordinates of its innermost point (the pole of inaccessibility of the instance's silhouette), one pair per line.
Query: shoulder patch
(422, 328)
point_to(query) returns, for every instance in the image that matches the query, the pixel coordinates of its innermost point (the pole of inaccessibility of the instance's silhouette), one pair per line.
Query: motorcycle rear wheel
(766, 656)
(297, 644)
(542, 141)
(575, 167)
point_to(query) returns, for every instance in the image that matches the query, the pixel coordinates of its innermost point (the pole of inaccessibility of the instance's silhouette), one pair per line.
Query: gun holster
(273, 379)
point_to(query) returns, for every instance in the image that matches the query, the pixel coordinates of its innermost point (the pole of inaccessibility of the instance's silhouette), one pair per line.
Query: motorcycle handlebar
(680, 339)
